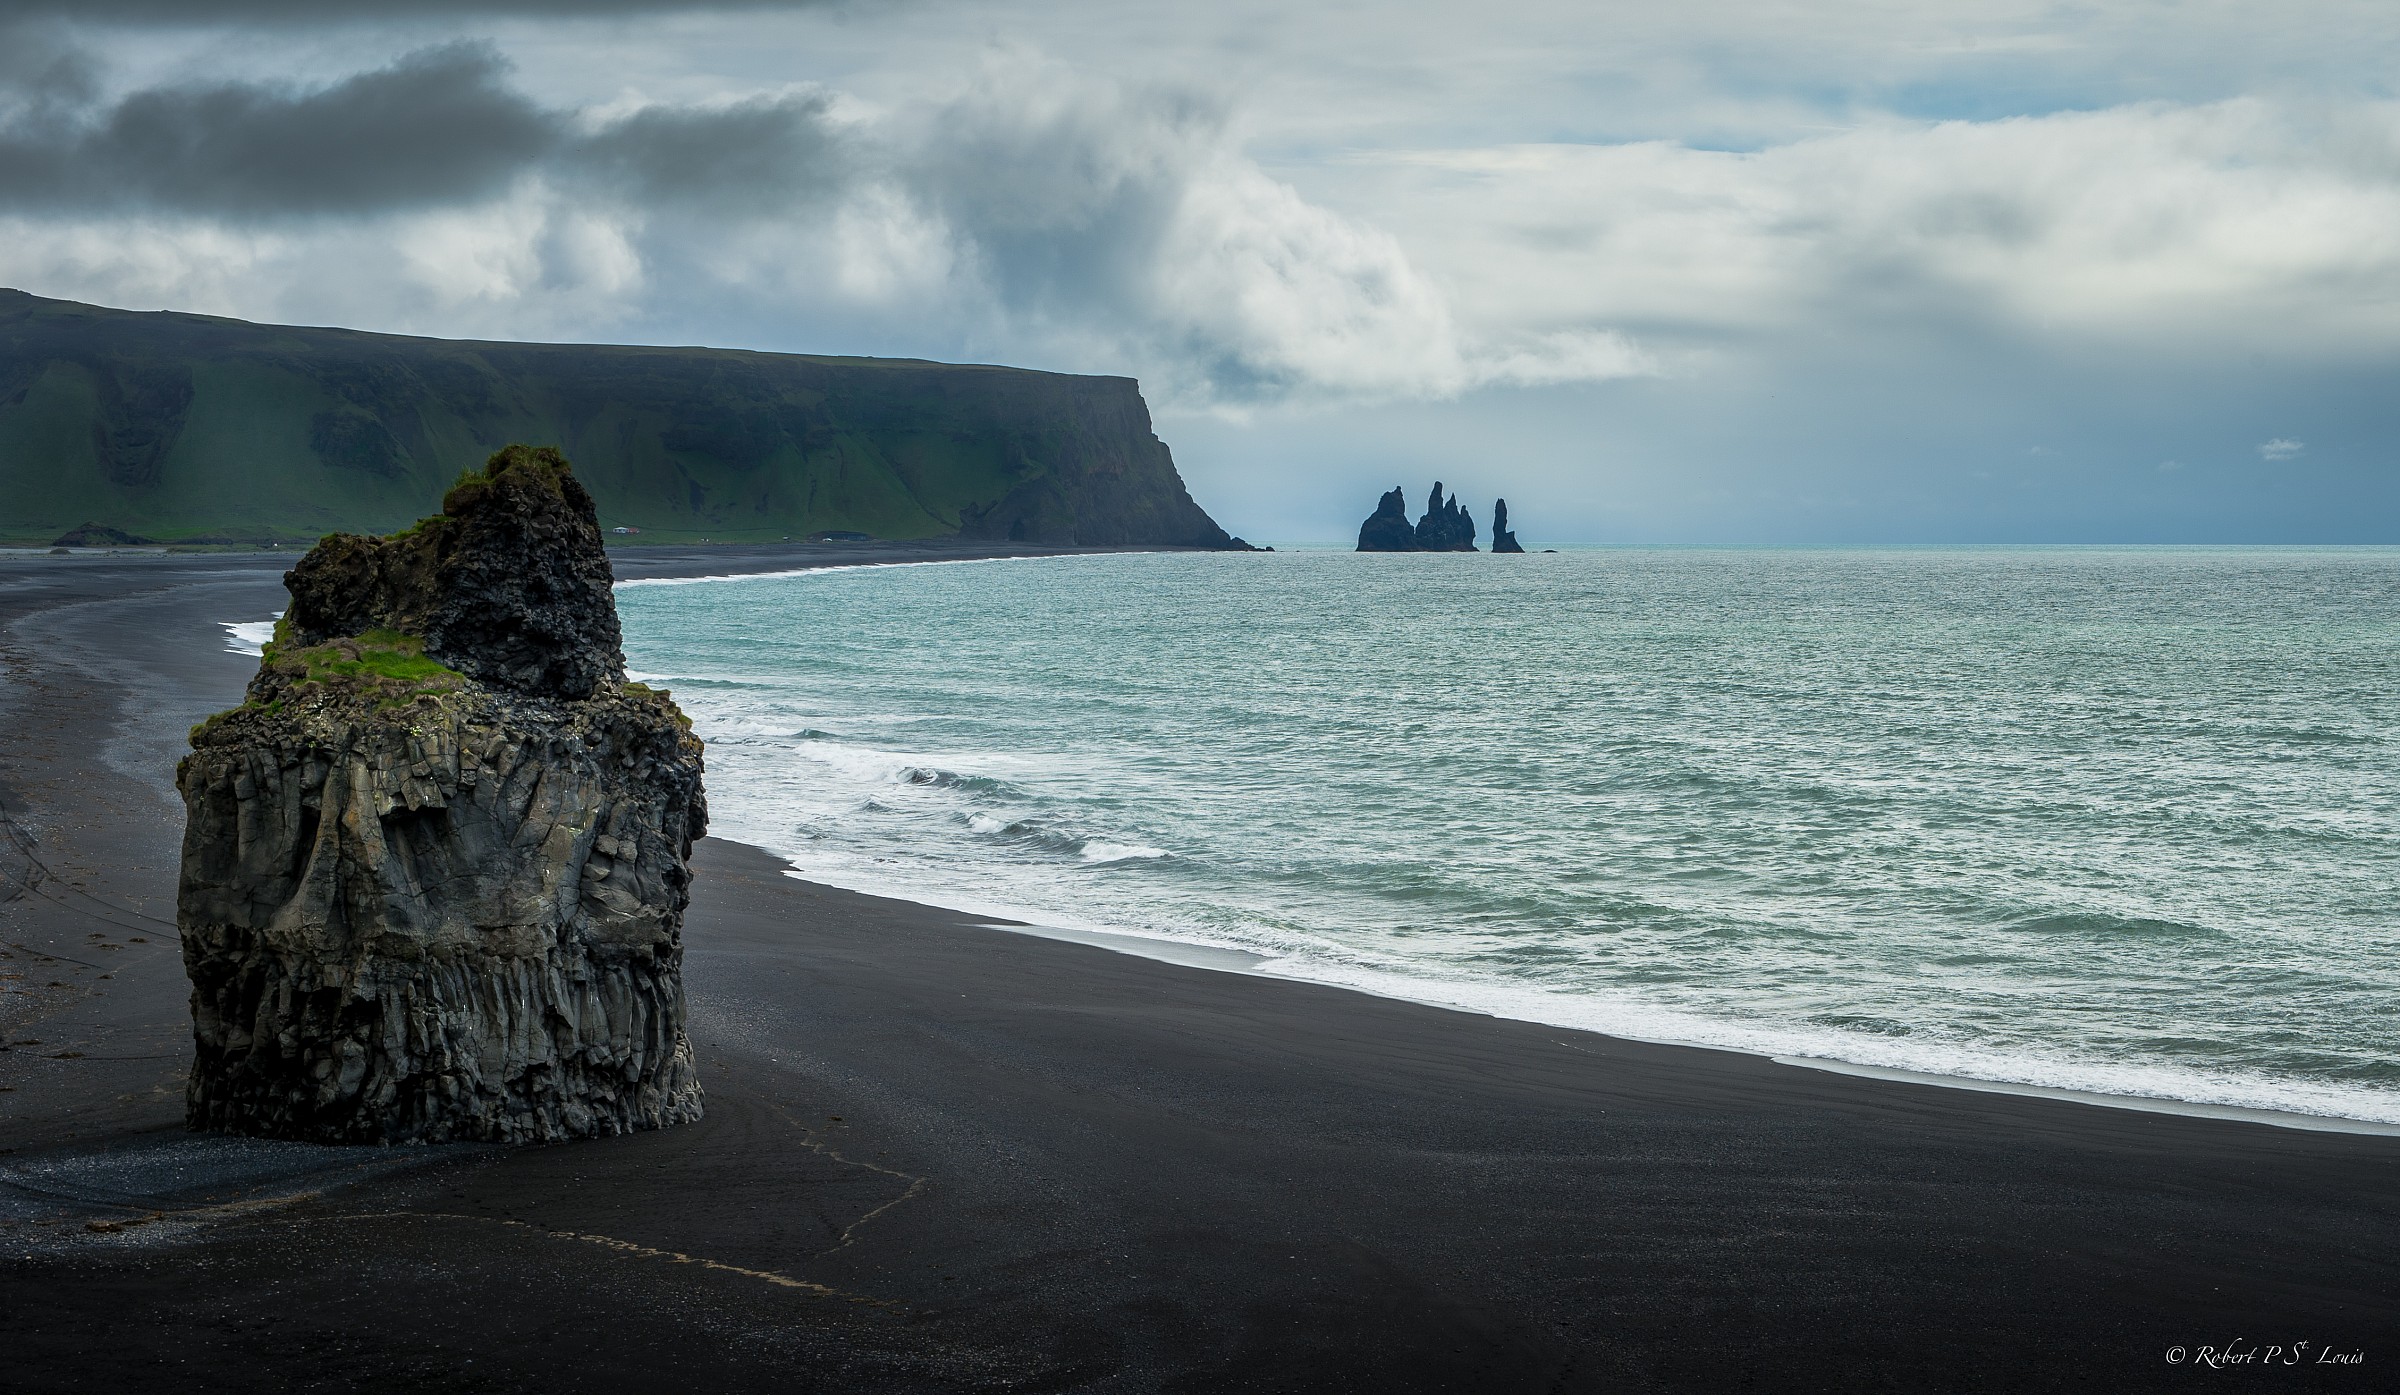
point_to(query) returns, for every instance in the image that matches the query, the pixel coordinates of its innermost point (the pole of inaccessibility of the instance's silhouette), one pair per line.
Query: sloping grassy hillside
(191, 428)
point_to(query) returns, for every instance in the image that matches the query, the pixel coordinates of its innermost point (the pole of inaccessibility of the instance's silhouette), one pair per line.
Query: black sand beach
(943, 1156)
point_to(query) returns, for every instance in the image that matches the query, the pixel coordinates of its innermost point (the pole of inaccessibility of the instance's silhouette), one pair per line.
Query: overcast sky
(1975, 270)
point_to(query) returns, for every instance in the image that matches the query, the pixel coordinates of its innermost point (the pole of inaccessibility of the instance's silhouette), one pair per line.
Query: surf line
(2140, 1104)
(790, 572)
(1213, 959)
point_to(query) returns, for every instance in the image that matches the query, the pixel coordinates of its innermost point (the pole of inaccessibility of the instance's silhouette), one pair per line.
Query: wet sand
(942, 1156)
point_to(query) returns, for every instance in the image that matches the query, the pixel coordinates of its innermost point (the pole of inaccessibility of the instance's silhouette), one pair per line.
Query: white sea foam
(830, 569)
(1102, 850)
(1009, 894)
(2017, 818)
(249, 636)
(2102, 1081)
(2260, 1099)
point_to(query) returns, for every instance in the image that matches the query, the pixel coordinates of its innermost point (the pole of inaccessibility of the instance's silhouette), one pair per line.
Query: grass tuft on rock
(381, 670)
(643, 692)
(378, 654)
(386, 667)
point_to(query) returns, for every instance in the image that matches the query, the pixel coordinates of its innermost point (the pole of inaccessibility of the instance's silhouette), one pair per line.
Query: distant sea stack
(435, 868)
(1388, 528)
(194, 429)
(1502, 539)
(1445, 527)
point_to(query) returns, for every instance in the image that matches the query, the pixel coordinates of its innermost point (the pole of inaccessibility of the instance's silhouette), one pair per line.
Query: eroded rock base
(455, 916)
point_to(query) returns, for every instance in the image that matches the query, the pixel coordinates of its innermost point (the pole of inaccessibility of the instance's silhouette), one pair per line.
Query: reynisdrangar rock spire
(435, 868)
(1446, 527)
(1388, 529)
(1502, 539)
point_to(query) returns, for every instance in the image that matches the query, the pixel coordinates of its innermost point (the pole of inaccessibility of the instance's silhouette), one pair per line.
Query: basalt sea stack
(1445, 527)
(1388, 529)
(435, 868)
(1502, 539)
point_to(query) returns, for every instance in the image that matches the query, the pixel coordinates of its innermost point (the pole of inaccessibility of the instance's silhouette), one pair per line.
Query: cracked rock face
(435, 893)
(508, 584)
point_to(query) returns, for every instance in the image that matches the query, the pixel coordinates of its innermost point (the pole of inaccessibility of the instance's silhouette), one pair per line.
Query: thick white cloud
(1117, 224)
(1083, 222)
(2143, 223)
(1887, 246)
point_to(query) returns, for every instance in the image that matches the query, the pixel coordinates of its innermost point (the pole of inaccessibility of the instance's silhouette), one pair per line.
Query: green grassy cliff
(188, 428)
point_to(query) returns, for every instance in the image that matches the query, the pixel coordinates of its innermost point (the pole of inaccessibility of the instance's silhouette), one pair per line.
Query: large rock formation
(1388, 528)
(509, 584)
(1502, 539)
(434, 870)
(1445, 527)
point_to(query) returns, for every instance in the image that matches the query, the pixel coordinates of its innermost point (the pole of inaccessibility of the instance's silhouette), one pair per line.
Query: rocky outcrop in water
(435, 868)
(1445, 527)
(1502, 539)
(1388, 528)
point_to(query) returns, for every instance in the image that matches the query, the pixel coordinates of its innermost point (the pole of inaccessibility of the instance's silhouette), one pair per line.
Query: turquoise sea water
(2115, 820)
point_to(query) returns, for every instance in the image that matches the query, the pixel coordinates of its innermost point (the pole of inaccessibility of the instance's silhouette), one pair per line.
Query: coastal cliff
(435, 868)
(195, 429)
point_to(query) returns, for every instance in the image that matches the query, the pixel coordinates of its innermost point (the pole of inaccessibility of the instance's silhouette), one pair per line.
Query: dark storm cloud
(439, 127)
(39, 68)
(755, 156)
(1067, 202)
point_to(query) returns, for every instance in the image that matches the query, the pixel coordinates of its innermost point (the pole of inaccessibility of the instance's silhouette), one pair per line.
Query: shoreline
(1215, 958)
(769, 562)
(940, 1156)
(1573, 1013)
(674, 564)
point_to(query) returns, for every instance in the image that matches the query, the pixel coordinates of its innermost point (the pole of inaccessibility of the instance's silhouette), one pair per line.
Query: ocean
(2121, 821)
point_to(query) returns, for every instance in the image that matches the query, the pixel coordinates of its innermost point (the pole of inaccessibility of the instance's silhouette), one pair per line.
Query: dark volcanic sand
(946, 1157)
